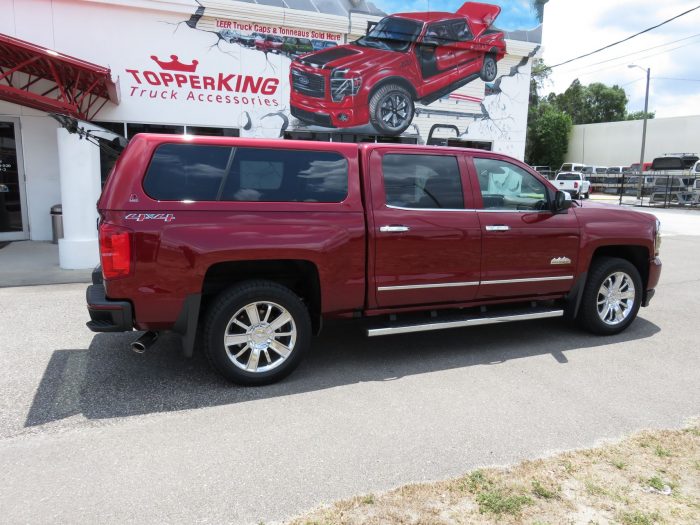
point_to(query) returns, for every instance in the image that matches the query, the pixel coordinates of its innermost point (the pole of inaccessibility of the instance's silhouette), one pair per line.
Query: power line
(615, 66)
(626, 39)
(640, 51)
(677, 79)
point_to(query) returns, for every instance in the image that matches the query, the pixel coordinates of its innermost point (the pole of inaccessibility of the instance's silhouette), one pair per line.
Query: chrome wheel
(260, 337)
(394, 110)
(615, 299)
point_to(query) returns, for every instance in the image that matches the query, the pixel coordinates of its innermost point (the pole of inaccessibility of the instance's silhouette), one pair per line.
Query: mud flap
(187, 321)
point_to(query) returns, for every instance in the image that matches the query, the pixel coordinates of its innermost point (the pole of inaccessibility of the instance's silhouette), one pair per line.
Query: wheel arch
(394, 80)
(300, 276)
(637, 255)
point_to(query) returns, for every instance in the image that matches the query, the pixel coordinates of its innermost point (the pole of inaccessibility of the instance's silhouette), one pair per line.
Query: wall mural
(445, 66)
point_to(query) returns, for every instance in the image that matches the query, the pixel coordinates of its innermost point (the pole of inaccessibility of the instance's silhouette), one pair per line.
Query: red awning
(44, 79)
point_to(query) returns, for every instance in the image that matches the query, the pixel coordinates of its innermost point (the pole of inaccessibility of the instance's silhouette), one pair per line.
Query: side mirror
(431, 41)
(562, 201)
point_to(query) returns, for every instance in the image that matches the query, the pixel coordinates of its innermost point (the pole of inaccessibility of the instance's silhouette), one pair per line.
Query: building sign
(175, 80)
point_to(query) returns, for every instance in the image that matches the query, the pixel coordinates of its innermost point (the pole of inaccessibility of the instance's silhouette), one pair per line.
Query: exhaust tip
(144, 342)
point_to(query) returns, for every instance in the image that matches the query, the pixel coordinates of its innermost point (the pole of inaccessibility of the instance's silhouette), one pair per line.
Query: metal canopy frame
(40, 78)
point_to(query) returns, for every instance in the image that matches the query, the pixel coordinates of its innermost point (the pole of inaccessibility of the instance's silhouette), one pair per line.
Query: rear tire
(612, 296)
(256, 332)
(489, 69)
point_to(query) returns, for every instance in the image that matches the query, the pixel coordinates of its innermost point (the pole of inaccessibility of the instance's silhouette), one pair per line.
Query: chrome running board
(465, 321)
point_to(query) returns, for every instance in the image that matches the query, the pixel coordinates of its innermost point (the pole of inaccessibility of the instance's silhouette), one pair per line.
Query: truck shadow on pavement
(108, 380)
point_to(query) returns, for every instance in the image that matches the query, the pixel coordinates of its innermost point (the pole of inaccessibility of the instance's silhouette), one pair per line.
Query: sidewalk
(26, 263)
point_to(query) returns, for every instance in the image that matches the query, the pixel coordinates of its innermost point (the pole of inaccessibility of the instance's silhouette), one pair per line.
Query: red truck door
(425, 243)
(527, 250)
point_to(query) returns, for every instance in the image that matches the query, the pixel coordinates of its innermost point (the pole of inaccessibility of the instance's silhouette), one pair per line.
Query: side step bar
(459, 323)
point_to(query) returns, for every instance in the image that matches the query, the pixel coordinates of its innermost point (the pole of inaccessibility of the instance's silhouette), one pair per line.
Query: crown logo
(176, 65)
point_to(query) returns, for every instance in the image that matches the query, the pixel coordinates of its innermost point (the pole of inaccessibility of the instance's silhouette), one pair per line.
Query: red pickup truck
(406, 57)
(252, 243)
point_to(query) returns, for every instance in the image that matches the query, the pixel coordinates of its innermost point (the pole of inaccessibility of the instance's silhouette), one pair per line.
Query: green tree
(547, 126)
(639, 115)
(593, 103)
(547, 135)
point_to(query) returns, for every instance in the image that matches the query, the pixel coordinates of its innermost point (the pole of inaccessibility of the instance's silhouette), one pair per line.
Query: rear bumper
(107, 315)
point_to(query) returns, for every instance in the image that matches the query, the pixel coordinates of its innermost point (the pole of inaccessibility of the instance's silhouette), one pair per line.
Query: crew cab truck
(406, 57)
(253, 243)
(574, 183)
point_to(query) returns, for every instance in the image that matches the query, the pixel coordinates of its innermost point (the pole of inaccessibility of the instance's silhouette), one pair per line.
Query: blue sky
(515, 14)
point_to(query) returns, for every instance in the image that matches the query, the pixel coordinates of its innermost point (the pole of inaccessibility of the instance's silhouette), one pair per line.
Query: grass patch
(639, 518)
(499, 502)
(656, 483)
(543, 492)
(662, 452)
(610, 484)
(618, 464)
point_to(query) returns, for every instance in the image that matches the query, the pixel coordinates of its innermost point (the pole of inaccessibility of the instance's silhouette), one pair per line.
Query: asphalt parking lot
(91, 432)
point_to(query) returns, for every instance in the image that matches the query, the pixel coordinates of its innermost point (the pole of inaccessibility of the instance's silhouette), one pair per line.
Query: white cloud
(572, 28)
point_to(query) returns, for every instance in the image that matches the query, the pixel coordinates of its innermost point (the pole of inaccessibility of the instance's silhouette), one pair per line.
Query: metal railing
(657, 189)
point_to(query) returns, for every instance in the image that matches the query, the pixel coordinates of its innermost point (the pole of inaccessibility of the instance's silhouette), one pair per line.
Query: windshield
(392, 34)
(587, 169)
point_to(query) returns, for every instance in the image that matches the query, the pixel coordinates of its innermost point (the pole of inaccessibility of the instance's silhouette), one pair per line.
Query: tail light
(575, 185)
(115, 250)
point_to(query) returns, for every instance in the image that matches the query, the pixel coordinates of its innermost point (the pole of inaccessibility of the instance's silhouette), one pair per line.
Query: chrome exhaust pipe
(144, 342)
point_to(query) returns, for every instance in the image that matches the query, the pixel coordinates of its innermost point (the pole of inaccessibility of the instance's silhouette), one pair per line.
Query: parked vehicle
(269, 44)
(253, 243)
(405, 58)
(294, 46)
(634, 167)
(545, 171)
(318, 45)
(248, 40)
(571, 167)
(673, 180)
(231, 36)
(574, 183)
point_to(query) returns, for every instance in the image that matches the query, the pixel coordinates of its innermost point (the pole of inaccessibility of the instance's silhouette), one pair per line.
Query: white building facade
(186, 66)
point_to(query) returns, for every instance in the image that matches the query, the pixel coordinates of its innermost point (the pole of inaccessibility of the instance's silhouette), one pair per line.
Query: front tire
(391, 109)
(612, 296)
(256, 332)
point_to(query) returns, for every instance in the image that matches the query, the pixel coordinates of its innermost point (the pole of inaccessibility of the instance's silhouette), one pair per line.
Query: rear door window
(422, 181)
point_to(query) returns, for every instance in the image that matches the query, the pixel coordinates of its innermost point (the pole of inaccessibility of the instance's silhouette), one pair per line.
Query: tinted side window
(279, 175)
(422, 181)
(186, 172)
(505, 186)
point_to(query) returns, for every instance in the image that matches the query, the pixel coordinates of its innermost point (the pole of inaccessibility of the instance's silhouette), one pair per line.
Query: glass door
(13, 214)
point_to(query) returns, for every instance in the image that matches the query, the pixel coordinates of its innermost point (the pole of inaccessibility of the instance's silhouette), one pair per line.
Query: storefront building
(288, 69)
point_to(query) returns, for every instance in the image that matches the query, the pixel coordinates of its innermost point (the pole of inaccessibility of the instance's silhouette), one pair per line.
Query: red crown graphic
(176, 65)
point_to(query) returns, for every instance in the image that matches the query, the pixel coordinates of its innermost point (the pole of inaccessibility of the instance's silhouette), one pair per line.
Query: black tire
(489, 69)
(602, 269)
(220, 322)
(391, 109)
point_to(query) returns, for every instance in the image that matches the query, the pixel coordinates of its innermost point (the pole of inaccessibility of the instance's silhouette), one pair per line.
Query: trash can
(56, 222)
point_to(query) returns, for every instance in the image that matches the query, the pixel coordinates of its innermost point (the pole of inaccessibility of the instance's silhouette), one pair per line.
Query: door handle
(498, 228)
(394, 228)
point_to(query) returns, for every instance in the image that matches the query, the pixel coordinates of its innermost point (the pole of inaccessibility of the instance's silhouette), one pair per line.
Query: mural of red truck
(405, 58)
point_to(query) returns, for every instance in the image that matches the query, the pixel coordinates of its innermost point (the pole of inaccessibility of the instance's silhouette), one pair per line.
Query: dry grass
(650, 478)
